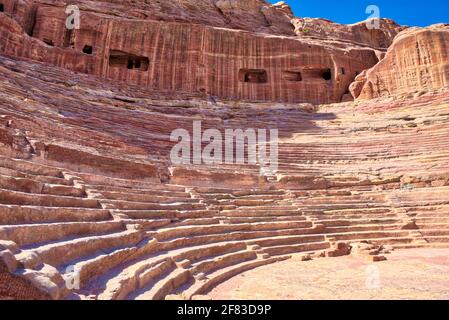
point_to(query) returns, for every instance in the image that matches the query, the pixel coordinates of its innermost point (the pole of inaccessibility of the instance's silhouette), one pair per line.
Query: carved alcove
(253, 75)
(128, 61)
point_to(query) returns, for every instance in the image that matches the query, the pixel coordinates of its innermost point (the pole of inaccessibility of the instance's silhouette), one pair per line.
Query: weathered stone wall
(418, 61)
(17, 288)
(188, 57)
(380, 38)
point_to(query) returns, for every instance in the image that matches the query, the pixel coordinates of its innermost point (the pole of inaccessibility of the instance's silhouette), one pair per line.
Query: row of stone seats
(94, 255)
(188, 252)
(48, 230)
(45, 215)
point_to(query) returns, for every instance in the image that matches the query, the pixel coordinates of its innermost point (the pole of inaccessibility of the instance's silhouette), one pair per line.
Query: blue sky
(405, 12)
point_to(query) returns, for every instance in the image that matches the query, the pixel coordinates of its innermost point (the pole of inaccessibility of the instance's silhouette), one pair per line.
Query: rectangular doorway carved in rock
(253, 76)
(317, 74)
(31, 21)
(2, 7)
(128, 61)
(88, 49)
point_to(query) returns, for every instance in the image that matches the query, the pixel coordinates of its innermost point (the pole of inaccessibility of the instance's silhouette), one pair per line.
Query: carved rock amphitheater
(88, 193)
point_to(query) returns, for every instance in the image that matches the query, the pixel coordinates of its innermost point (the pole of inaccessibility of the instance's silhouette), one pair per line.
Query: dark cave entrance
(253, 75)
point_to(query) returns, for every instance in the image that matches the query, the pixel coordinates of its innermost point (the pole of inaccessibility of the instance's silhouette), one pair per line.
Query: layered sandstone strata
(364, 33)
(267, 62)
(417, 61)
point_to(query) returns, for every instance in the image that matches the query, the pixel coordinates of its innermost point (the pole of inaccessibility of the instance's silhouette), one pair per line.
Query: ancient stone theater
(91, 205)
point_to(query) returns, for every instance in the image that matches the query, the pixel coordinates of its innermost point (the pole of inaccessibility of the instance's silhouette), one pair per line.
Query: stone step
(328, 206)
(32, 186)
(223, 261)
(15, 214)
(175, 232)
(443, 239)
(148, 224)
(61, 190)
(196, 222)
(99, 181)
(362, 235)
(353, 212)
(138, 273)
(339, 201)
(231, 197)
(443, 225)
(286, 240)
(148, 214)
(65, 251)
(219, 276)
(157, 190)
(20, 184)
(434, 232)
(135, 277)
(146, 197)
(128, 205)
(39, 233)
(43, 179)
(237, 193)
(358, 222)
(387, 240)
(260, 213)
(29, 199)
(246, 203)
(30, 167)
(233, 237)
(420, 245)
(192, 214)
(365, 228)
(166, 214)
(88, 269)
(329, 218)
(431, 219)
(281, 207)
(160, 289)
(296, 248)
(238, 220)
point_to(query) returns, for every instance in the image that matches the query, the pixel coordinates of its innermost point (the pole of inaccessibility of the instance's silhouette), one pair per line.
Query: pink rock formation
(418, 61)
(379, 38)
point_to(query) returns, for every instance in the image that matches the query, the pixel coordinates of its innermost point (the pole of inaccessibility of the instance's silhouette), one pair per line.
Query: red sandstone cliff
(417, 61)
(85, 175)
(380, 38)
(239, 50)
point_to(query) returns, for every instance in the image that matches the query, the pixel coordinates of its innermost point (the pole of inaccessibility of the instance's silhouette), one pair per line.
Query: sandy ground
(407, 274)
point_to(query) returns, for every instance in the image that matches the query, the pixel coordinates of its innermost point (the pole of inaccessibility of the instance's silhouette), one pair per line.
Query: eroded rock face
(379, 38)
(255, 54)
(417, 61)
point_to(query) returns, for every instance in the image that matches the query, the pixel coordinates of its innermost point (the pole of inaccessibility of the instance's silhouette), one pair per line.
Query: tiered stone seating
(141, 240)
(378, 173)
(54, 228)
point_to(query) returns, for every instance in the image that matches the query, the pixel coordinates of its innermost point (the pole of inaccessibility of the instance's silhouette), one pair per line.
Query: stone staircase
(126, 239)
